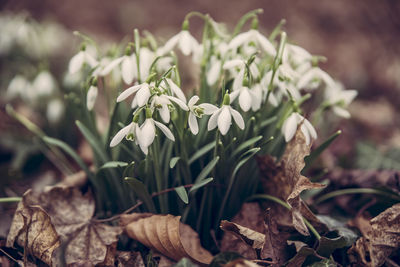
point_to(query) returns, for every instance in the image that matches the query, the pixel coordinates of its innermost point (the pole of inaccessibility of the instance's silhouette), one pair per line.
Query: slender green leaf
(309, 160)
(207, 169)
(202, 151)
(181, 191)
(93, 141)
(141, 191)
(246, 144)
(114, 164)
(173, 162)
(71, 152)
(10, 199)
(244, 158)
(245, 18)
(200, 184)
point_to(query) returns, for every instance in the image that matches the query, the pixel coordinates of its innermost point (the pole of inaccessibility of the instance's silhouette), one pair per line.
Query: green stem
(286, 205)
(356, 191)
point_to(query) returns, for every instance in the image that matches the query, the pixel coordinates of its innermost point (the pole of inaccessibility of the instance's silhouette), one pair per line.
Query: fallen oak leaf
(83, 240)
(166, 234)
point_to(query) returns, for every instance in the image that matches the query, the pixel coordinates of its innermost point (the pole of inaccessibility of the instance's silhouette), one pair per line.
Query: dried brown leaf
(275, 243)
(67, 214)
(376, 245)
(250, 237)
(129, 259)
(284, 180)
(166, 234)
(252, 217)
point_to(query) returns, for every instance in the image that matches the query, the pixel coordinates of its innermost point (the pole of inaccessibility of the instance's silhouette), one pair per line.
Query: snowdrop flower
(184, 40)
(128, 67)
(148, 131)
(252, 36)
(297, 57)
(131, 132)
(222, 117)
(198, 111)
(44, 84)
(91, 96)
(339, 99)
(164, 102)
(313, 78)
(289, 128)
(17, 87)
(79, 59)
(55, 110)
(142, 96)
(214, 70)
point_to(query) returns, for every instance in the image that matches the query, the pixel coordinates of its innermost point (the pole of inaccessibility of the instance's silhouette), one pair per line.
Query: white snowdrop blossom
(77, 61)
(55, 110)
(44, 84)
(91, 97)
(184, 40)
(131, 132)
(174, 88)
(142, 96)
(222, 117)
(313, 78)
(198, 111)
(290, 125)
(17, 87)
(164, 102)
(252, 36)
(148, 132)
(128, 68)
(339, 99)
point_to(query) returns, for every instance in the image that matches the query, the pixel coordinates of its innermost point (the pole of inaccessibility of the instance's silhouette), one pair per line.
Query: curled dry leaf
(284, 180)
(252, 217)
(129, 259)
(374, 248)
(65, 216)
(252, 238)
(167, 235)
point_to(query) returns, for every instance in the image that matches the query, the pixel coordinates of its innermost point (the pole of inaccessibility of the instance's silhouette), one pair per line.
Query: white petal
(348, 96)
(234, 95)
(213, 121)
(107, 69)
(120, 135)
(176, 90)
(224, 120)
(147, 133)
(237, 118)
(193, 100)
(233, 63)
(76, 62)
(239, 40)
(165, 130)
(91, 61)
(193, 126)
(180, 103)
(143, 95)
(208, 108)
(164, 113)
(169, 45)
(245, 99)
(125, 94)
(289, 127)
(185, 43)
(310, 128)
(341, 112)
(213, 73)
(238, 81)
(128, 70)
(272, 99)
(91, 97)
(265, 44)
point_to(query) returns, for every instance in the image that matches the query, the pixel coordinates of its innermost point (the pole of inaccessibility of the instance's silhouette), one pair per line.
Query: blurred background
(359, 38)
